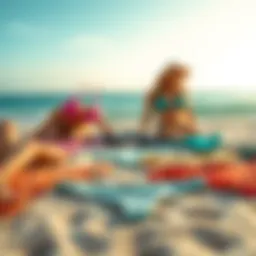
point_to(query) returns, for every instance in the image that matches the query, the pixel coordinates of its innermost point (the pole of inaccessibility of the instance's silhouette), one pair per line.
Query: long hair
(173, 69)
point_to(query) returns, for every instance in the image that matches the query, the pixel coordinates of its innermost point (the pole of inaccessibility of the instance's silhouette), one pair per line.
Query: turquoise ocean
(29, 109)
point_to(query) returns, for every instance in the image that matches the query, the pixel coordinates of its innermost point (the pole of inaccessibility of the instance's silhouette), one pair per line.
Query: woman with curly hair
(167, 100)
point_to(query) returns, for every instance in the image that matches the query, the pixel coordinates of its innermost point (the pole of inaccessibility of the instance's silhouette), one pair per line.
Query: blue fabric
(161, 104)
(131, 157)
(196, 143)
(134, 201)
(201, 143)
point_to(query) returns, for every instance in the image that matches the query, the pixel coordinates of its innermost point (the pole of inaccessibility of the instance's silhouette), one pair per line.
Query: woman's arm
(192, 124)
(105, 127)
(147, 113)
(26, 156)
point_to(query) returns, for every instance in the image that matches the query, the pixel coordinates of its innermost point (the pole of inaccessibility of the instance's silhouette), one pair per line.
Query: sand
(239, 215)
(172, 219)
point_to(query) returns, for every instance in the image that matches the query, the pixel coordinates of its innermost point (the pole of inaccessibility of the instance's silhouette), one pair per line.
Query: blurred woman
(37, 165)
(74, 121)
(167, 100)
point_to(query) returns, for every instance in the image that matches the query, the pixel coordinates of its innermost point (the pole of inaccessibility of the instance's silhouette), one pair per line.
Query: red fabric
(157, 175)
(175, 173)
(248, 190)
(216, 166)
(238, 178)
(230, 178)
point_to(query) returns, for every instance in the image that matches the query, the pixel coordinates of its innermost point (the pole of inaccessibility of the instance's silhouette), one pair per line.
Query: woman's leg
(26, 186)
(29, 158)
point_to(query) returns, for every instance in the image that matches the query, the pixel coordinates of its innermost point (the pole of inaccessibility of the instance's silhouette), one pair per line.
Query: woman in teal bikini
(167, 101)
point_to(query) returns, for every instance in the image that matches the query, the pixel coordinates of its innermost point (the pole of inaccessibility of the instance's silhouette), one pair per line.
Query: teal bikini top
(162, 104)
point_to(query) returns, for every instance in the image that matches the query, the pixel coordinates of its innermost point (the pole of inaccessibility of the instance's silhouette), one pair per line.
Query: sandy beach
(238, 219)
(173, 226)
(86, 86)
(176, 227)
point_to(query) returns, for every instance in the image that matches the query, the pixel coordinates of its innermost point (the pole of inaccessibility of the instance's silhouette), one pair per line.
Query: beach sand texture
(174, 223)
(239, 217)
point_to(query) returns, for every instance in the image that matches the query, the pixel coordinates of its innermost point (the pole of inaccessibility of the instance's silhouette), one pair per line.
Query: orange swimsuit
(29, 185)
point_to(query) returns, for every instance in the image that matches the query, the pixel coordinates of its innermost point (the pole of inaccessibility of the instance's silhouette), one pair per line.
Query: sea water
(233, 115)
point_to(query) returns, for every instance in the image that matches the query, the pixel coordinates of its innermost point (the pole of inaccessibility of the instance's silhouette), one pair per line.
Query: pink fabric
(70, 107)
(92, 114)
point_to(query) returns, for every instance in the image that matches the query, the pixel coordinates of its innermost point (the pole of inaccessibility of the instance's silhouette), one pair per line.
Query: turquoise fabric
(161, 104)
(135, 201)
(203, 144)
(130, 158)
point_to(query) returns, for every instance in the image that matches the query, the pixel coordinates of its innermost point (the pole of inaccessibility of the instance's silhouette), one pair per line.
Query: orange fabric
(230, 178)
(239, 178)
(26, 186)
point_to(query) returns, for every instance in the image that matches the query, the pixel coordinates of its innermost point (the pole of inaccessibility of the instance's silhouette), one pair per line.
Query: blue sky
(121, 44)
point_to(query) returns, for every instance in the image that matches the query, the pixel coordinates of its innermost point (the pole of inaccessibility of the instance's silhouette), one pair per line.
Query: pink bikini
(92, 114)
(72, 110)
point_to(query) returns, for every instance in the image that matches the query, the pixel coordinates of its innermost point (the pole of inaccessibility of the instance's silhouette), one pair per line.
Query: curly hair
(171, 70)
